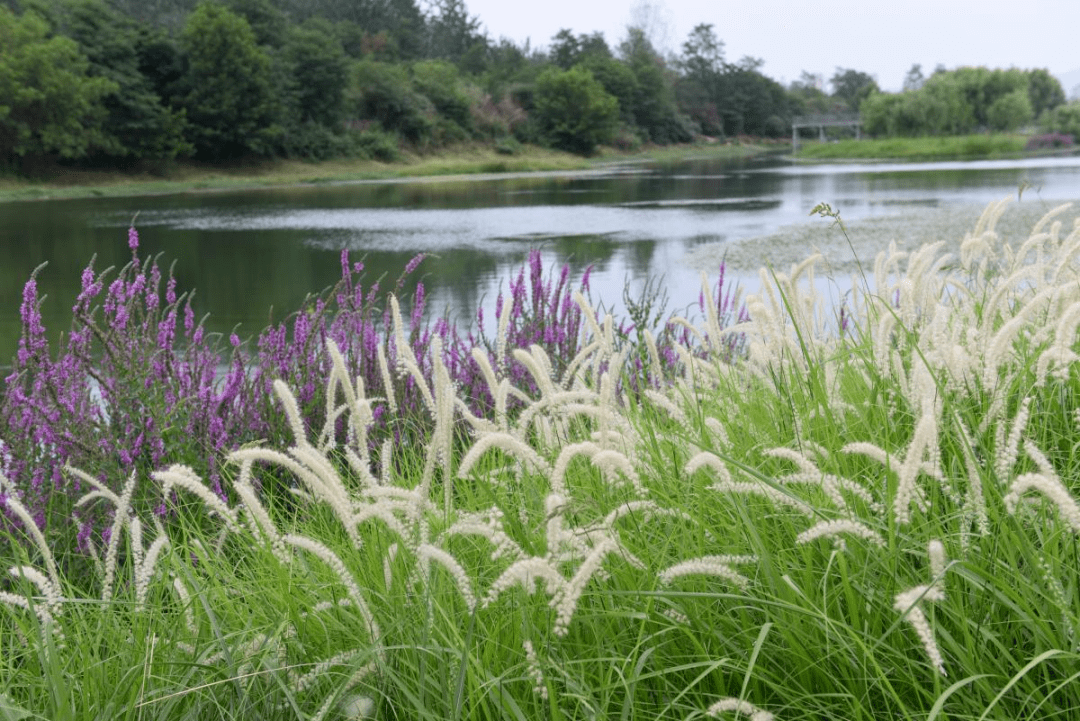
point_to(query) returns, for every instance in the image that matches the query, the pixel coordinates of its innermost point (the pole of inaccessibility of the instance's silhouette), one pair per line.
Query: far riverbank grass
(467, 160)
(961, 147)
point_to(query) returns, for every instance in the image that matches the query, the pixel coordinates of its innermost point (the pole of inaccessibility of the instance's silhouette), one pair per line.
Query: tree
(230, 100)
(654, 107)
(1063, 119)
(452, 32)
(267, 21)
(914, 79)
(574, 110)
(702, 60)
(807, 96)
(441, 83)
(320, 74)
(1010, 111)
(383, 92)
(138, 123)
(1044, 91)
(618, 80)
(564, 49)
(567, 50)
(852, 87)
(49, 104)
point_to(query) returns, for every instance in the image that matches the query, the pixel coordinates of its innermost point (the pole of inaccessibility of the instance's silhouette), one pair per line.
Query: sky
(883, 39)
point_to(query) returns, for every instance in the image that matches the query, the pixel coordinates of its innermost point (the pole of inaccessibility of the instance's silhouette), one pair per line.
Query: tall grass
(879, 523)
(929, 148)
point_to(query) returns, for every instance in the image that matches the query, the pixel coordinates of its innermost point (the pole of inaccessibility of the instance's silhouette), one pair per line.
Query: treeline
(965, 100)
(124, 83)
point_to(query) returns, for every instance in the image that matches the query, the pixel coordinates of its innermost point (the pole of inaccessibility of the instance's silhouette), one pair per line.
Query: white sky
(880, 37)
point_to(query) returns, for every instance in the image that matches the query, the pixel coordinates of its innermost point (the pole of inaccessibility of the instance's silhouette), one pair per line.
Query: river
(252, 255)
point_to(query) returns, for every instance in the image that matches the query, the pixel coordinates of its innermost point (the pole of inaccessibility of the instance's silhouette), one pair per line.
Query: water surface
(253, 255)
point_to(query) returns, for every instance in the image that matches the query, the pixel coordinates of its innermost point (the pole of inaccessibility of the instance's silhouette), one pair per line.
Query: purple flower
(133, 239)
(411, 265)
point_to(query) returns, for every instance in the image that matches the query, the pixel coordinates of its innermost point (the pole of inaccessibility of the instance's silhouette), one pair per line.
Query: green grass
(940, 383)
(964, 147)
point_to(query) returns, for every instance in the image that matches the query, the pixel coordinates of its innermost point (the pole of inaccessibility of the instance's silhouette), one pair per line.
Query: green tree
(618, 80)
(567, 50)
(49, 104)
(753, 104)
(452, 32)
(1063, 119)
(654, 107)
(851, 87)
(230, 99)
(138, 123)
(914, 78)
(1010, 111)
(441, 83)
(703, 55)
(880, 112)
(320, 74)
(383, 92)
(574, 110)
(267, 21)
(1044, 91)
(807, 96)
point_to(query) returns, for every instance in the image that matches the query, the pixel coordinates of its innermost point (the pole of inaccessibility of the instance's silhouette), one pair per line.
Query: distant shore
(475, 163)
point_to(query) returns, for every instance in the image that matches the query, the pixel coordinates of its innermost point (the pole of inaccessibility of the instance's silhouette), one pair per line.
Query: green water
(254, 255)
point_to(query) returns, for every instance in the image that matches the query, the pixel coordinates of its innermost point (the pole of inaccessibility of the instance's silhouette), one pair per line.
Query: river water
(253, 255)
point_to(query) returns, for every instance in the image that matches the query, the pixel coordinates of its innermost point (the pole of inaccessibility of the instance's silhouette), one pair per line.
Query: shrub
(1010, 111)
(376, 144)
(1064, 119)
(440, 83)
(574, 111)
(1049, 141)
(384, 93)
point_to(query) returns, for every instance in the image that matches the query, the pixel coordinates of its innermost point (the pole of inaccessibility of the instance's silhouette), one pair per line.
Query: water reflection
(254, 255)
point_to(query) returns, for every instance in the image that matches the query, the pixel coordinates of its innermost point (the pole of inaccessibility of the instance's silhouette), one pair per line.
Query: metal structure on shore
(821, 122)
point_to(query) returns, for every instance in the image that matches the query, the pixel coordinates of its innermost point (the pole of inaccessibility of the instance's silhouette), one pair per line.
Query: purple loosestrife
(138, 383)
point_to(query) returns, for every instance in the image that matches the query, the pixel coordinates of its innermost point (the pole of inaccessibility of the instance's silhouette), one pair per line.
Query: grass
(464, 160)
(963, 147)
(872, 522)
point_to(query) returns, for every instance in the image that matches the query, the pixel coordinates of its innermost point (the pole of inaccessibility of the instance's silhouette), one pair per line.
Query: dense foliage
(118, 83)
(963, 101)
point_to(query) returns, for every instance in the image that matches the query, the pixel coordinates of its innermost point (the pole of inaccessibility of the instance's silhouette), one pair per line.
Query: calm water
(253, 255)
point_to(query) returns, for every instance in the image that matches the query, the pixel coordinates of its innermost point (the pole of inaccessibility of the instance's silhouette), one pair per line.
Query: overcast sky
(880, 38)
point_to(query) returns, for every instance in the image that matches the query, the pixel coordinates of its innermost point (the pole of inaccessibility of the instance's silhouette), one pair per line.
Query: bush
(313, 141)
(1010, 111)
(1049, 141)
(574, 111)
(508, 146)
(438, 81)
(1064, 119)
(384, 93)
(376, 144)
(493, 119)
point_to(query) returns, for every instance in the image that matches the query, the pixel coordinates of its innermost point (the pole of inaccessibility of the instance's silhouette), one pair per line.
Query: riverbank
(960, 147)
(475, 162)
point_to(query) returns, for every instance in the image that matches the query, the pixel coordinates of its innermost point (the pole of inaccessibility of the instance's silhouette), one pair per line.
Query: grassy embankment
(188, 176)
(876, 523)
(963, 147)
